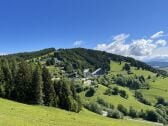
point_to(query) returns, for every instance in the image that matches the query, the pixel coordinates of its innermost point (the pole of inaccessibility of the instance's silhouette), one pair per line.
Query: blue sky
(27, 25)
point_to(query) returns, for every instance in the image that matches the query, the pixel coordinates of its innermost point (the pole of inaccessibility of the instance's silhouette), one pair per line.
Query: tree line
(31, 83)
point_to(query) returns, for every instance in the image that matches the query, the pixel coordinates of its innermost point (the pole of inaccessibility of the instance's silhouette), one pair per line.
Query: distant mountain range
(158, 64)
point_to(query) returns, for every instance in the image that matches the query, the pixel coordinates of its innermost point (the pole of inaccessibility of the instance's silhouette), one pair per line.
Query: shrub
(152, 116)
(142, 114)
(122, 109)
(142, 79)
(141, 98)
(79, 88)
(149, 77)
(126, 67)
(94, 107)
(131, 82)
(133, 113)
(115, 91)
(108, 92)
(123, 94)
(115, 114)
(90, 92)
(104, 103)
(161, 100)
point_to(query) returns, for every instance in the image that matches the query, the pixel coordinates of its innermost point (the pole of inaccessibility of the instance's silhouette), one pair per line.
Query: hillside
(31, 55)
(17, 114)
(81, 58)
(71, 79)
(164, 68)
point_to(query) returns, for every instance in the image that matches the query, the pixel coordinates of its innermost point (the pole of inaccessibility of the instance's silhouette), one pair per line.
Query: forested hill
(30, 55)
(81, 58)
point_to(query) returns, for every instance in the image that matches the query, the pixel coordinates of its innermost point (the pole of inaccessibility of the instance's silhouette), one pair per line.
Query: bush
(104, 103)
(115, 114)
(115, 91)
(152, 116)
(133, 113)
(131, 82)
(141, 98)
(142, 114)
(79, 88)
(149, 77)
(122, 109)
(94, 107)
(108, 92)
(123, 94)
(90, 92)
(161, 100)
(126, 67)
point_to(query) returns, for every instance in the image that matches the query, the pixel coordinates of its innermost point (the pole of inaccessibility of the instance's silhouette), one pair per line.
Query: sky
(136, 28)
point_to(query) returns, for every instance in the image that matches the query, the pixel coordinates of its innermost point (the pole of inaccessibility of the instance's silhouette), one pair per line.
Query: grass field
(117, 68)
(159, 88)
(164, 68)
(17, 114)
(116, 99)
(158, 85)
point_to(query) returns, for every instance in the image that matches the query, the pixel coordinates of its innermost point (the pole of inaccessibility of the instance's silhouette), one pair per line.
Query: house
(87, 73)
(97, 72)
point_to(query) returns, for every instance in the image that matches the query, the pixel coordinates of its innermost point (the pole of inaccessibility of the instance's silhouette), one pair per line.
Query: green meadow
(17, 114)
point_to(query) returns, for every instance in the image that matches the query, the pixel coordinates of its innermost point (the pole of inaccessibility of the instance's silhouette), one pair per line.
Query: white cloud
(161, 42)
(158, 35)
(78, 43)
(141, 49)
(118, 45)
(121, 37)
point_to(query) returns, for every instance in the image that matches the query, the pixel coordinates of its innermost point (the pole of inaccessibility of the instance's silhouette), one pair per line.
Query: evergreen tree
(14, 69)
(37, 85)
(127, 67)
(7, 78)
(23, 88)
(2, 88)
(67, 97)
(63, 92)
(49, 92)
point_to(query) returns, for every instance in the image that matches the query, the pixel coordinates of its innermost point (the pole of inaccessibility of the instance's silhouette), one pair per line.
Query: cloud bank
(139, 48)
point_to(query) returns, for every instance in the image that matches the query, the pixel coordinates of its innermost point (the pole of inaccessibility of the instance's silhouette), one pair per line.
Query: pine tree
(23, 88)
(2, 88)
(49, 92)
(37, 85)
(7, 78)
(67, 96)
(14, 69)
(64, 93)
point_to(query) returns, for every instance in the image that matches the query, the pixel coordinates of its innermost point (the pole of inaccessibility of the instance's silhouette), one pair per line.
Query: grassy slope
(116, 99)
(164, 68)
(17, 114)
(159, 86)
